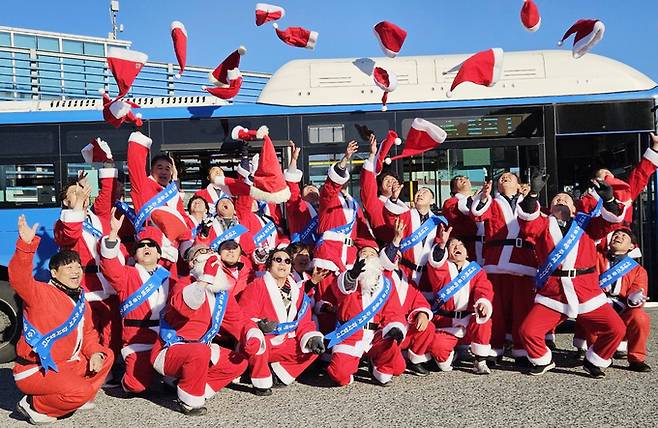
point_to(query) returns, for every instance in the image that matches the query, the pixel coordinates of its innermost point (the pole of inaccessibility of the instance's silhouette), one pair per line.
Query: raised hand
(174, 170)
(82, 194)
(443, 235)
(654, 141)
(604, 190)
(25, 232)
(486, 190)
(319, 274)
(396, 189)
(83, 178)
(400, 227)
(115, 224)
(373, 146)
(538, 182)
(352, 147)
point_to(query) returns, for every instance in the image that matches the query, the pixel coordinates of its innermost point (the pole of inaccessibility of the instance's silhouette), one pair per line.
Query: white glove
(636, 299)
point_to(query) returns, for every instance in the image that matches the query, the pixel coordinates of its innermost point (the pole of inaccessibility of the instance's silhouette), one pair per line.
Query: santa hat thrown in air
(220, 75)
(227, 92)
(125, 65)
(165, 248)
(118, 112)
(387, 81)
(244, 134)
(381, 157)
(269, 183)
(179, 37)
(530, 17)
(483, 68)
(297, 36)
(390, 37)
(588, 32)
(97, 151)
(423, 136)
(213, 274)
(268, 12)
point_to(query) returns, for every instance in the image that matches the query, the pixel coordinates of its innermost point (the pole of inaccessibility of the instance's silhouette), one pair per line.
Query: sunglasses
(146, 244)
(282, 260)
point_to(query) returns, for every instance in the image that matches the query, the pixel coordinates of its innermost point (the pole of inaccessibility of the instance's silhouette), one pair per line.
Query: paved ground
(564, 397)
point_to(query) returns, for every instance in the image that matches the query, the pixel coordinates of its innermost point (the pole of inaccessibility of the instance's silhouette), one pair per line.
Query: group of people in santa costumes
(231, 288)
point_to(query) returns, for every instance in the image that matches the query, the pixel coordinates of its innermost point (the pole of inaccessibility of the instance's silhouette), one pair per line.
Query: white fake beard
(199, 264)
(369, 278)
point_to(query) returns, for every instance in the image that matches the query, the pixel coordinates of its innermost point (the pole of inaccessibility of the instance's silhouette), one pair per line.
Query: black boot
(191, 411)
(417, 369)
(639, 366)
(593, 371)
(539, 370)
(262, 392)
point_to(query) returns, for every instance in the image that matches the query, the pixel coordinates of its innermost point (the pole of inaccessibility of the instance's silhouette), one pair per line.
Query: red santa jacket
(373, 205)
(126, 280)
(411, 299)
(246, 240)
(241, 273)
(501, 223)
(636, 280)
(569, 296)
(477, 290)
(255, 222)
(70, 234)
(262, 299)
(211, 195)
(170, 218)
(465, 227)
(47, 307)
(299, 213)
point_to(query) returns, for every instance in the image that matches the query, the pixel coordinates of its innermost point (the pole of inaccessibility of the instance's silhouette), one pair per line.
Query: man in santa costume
(463, 296)
(302, 207)
(236, 264)
(509, 261)
(199, 305)
(371, 322)
(79, 228)
(143, 290)
(567, 281)
(283, 313)
(457, 210)
(60, 364)
(626, 285)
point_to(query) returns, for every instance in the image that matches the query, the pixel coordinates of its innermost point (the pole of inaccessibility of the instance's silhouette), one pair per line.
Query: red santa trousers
(638, 326)
(139, 371)
(60, 393)
(198, 378)
(602, 322)
(513, 298)
(107, 322)
(477, 335)
(287, 361)
(418, 344)
(385, 355)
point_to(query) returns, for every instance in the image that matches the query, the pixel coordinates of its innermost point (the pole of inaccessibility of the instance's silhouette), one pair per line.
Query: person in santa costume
(566, 281)
(60, 363)
(340, 220)
(302, 207)
(625, 283)
(79, 228)
(214, 190)
(463, 300)
(199, 306)
(236, 264)
(371, 322)
(198, 211)
(457, 210)
(509, 261)
(143, 290)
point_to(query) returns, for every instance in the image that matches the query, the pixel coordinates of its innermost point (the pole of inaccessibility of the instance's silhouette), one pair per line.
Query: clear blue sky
(435, 27)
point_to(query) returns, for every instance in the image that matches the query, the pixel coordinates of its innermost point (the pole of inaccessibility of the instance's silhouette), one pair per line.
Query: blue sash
(231, 233)
(347, 329)
(127, 211)
(307, 235)
(617, 271)
(286, 327)
(170, 337)
(566, 244)
(42, 343)
(144, 292)
(429, 225)
(264, 233)
(451, 288)
(88, 227)
(165, 195)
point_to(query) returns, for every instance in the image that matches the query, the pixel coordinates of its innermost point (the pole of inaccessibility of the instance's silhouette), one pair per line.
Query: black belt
(371, 326)
(23, 362)
(91, 269)
(472, 239)
(141, 323)
(572, 273)
(518, 243)
(413, 266)
(453, 314)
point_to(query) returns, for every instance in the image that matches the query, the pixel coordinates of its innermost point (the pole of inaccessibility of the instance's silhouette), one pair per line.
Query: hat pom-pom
(384, 108)
(560, 43)
(275, 25)
(262, 132)
(387, 161)
(138, 116)
(242, 50)
(101, 91)
(177, 75)
(449, 94)
(398, 141)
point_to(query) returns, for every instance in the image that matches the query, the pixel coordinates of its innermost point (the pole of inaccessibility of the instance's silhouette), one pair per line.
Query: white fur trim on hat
(242, 50)
(235, 133)
(233, 74)
(275, 197)
(127, 55)
(141, 139)
(262, 131)
(293, 175)
(651, 155)
(180, 26)
(119, 108)
(499, 55)
(312, 40)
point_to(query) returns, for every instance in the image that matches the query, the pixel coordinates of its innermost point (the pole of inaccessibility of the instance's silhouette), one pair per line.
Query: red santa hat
(230, 91)
(381, 157)
(390, 37)
(269, 183)
(213, 274)
(387, 81)
(220, 75)
(297, 36)
(530, 17)
(179, 37)
(244, 134)
(97, 151)
(588, 33)
(268, 12)
(165, 248)
(483, 68)
(422, 136)
(125, 65)
(117, 112)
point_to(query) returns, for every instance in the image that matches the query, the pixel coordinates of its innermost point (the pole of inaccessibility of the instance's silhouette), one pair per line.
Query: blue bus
(547, 111)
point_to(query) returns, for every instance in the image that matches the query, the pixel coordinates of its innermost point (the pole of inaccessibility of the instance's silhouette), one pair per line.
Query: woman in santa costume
(214, 190)
(567, 281)
(60, 364)
(283, 313)
(143, 291)
(463, 300)
(302, 207)
(457, 210)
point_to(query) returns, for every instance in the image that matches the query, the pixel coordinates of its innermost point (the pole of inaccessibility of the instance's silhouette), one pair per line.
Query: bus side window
(27, 184)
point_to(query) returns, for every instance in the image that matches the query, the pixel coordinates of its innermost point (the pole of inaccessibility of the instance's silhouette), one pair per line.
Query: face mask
(217, 180)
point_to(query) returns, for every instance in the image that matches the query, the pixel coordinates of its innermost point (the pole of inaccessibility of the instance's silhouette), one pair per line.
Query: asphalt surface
(563, 397)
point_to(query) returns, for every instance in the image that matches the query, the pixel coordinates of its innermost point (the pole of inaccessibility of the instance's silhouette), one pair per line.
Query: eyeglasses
(146, 244)
(282, 260)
